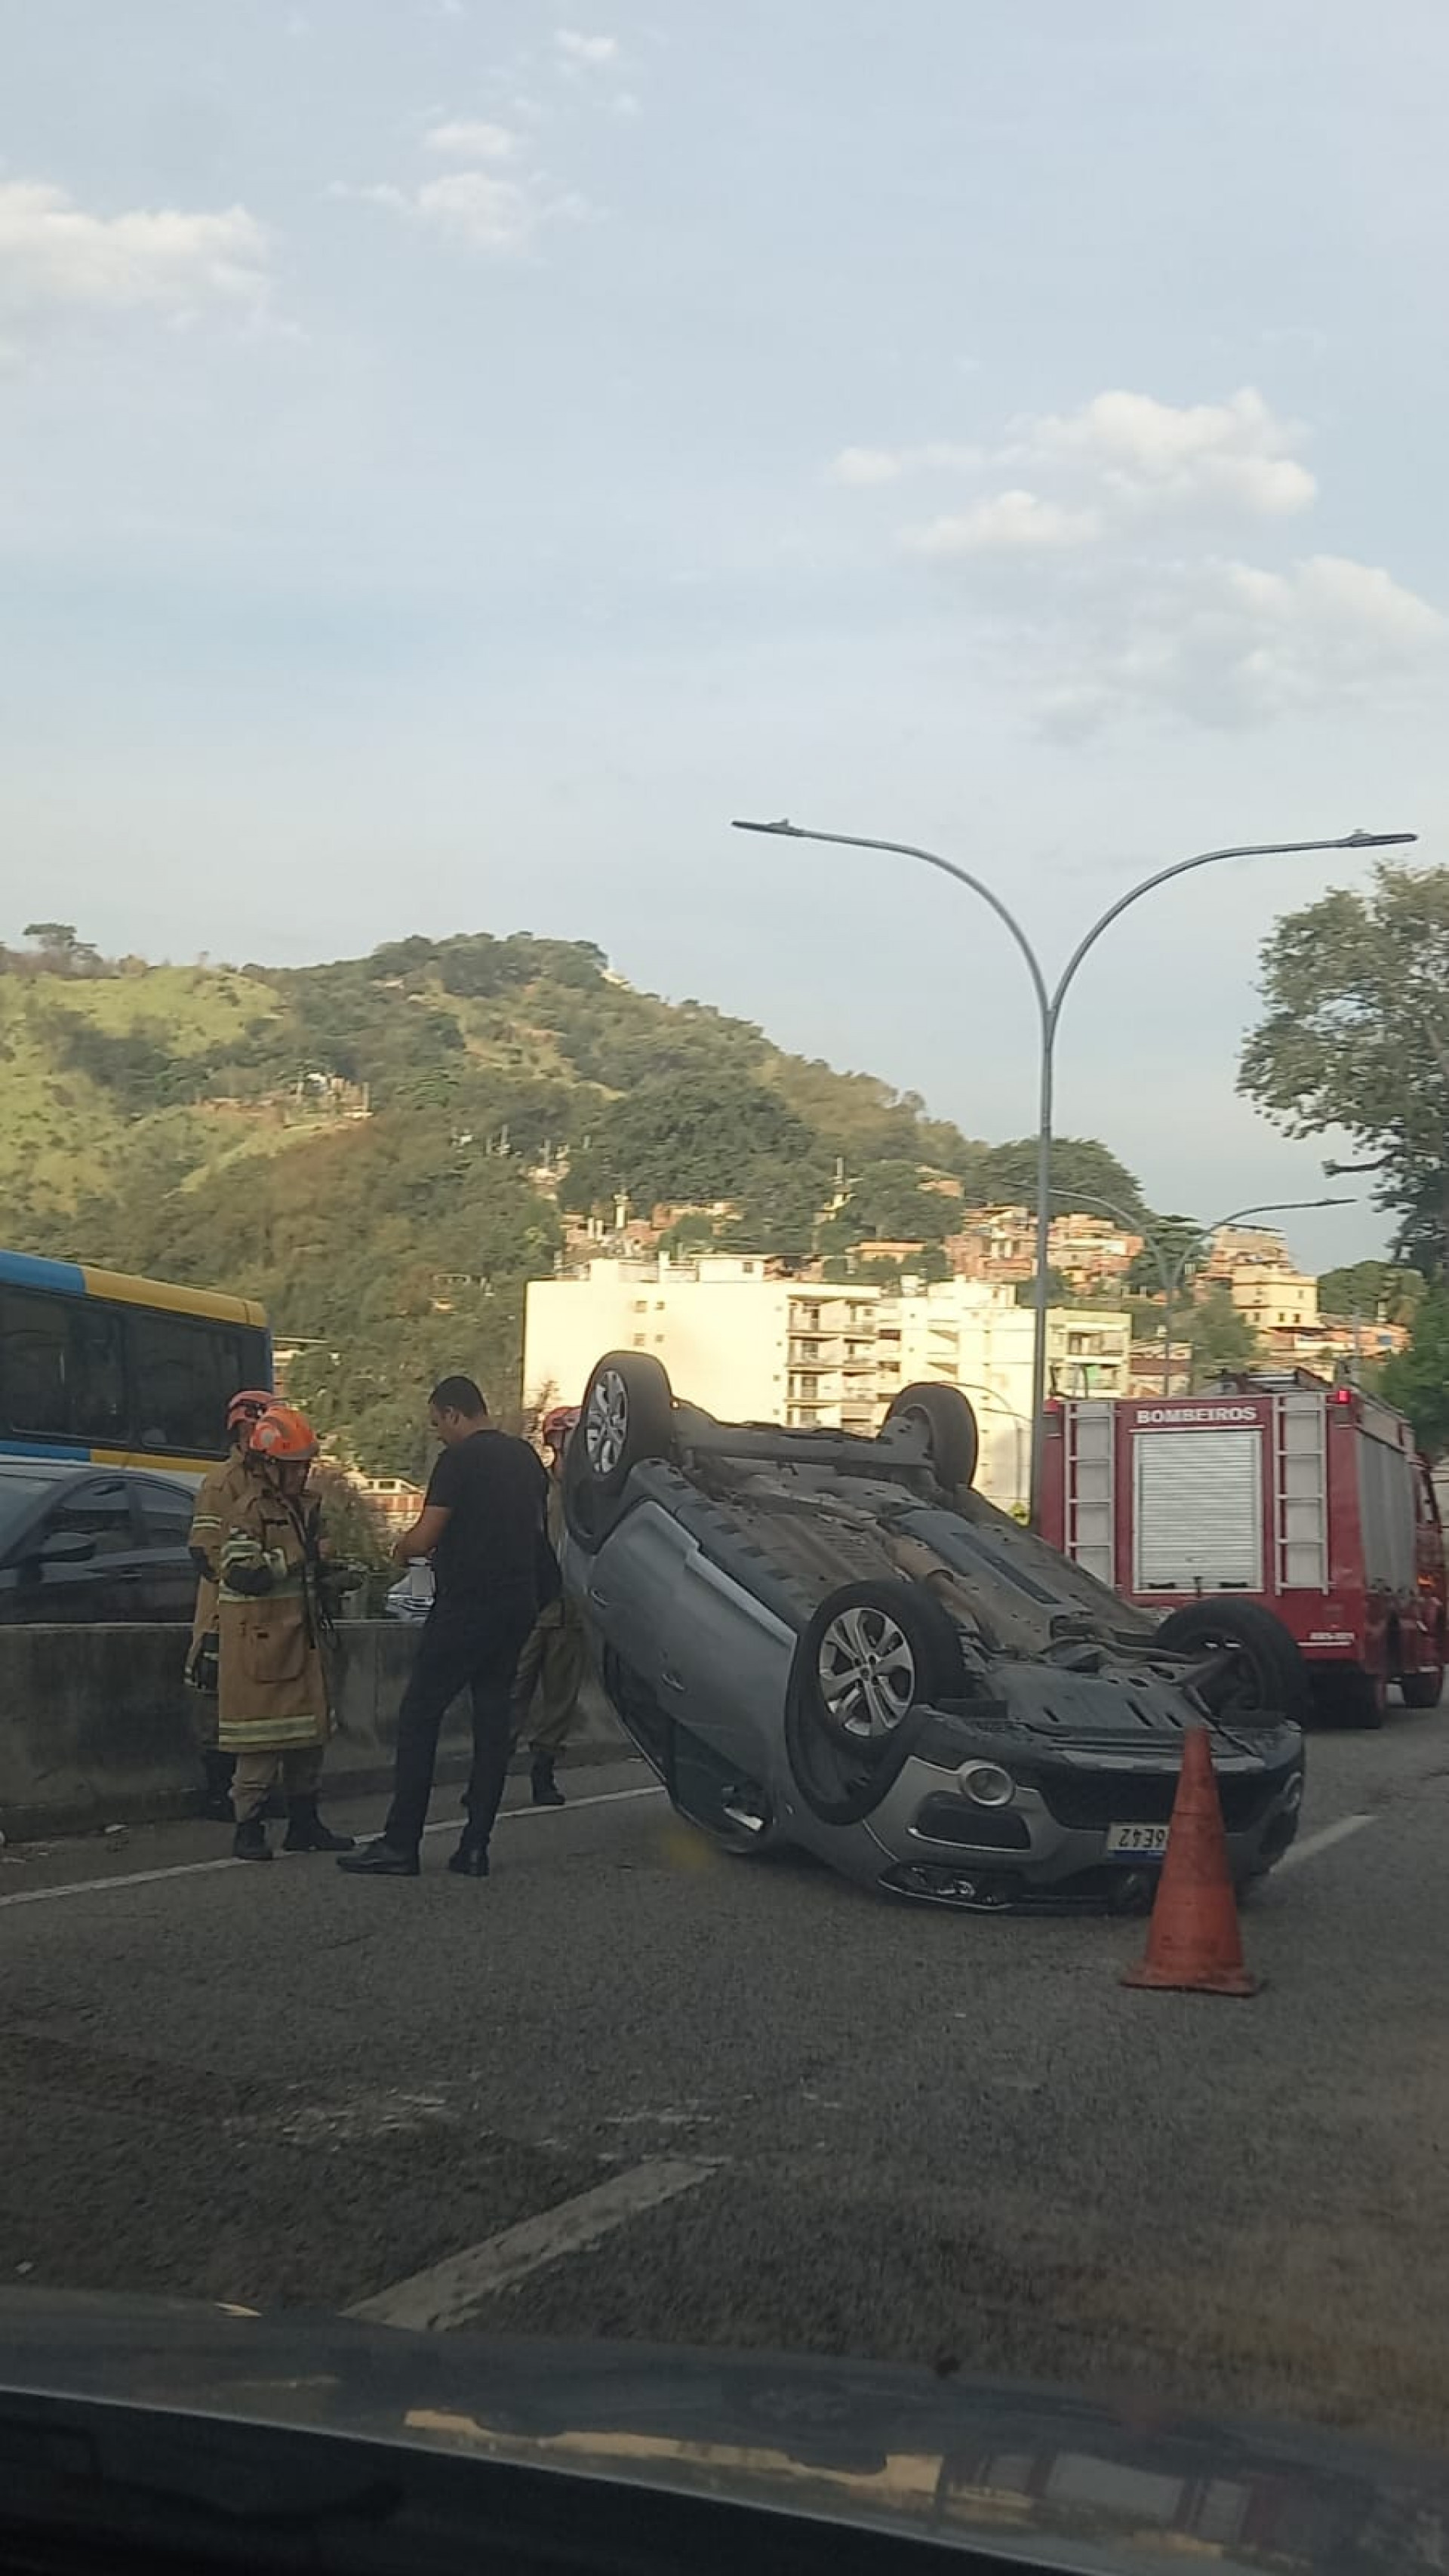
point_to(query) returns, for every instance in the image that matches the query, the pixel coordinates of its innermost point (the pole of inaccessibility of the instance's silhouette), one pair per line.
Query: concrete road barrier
(97, 1726)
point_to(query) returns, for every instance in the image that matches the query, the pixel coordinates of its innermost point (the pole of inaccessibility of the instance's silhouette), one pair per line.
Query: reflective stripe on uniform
(269, 1734)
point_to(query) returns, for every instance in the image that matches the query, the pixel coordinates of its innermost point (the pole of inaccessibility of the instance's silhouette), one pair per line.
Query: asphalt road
(699, 2100)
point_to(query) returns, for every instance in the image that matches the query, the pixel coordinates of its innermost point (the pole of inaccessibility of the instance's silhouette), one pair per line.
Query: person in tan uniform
(273, 1604)
(218, 1490)
(551, 1667)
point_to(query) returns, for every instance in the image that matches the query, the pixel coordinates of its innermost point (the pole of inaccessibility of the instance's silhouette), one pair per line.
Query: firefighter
(219, 1488)
(273, 1602)
(551, 1667)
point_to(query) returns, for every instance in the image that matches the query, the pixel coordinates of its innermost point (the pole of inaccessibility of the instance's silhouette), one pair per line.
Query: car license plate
(1137, 1842)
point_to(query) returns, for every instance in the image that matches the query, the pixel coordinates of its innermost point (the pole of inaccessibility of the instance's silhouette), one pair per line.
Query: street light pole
(1049, 1011)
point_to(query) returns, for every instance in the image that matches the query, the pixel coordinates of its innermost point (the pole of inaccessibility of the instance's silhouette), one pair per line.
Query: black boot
(249, 1842)
(306, 1831)
(470, 1860)
(216, 1786)
(546, 1791)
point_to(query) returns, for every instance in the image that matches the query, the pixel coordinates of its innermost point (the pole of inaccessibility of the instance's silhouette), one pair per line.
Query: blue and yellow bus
(128, 1372)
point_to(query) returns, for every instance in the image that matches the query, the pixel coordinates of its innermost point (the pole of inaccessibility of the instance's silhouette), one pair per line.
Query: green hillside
(385, 1149)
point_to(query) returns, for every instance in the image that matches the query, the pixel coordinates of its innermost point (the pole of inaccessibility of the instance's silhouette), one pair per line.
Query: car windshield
(724, 1209)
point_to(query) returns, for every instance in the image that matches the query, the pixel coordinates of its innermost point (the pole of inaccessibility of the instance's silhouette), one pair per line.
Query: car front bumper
(1051, 1845)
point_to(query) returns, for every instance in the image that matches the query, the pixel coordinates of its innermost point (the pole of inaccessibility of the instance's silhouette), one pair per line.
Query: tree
(691, 1139)
(1384, 1291)
(1007, 1174)
(1218, 1336)
(1417, 1379)
(889, 1203)
(1355, 1036)
(1172, 1239)
(1059, 1289)
(58, 936)
(779, 1207)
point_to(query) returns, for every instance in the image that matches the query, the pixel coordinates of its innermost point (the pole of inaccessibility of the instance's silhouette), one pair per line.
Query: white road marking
(1324, 1840)
(204, 1868)
(446, 2296)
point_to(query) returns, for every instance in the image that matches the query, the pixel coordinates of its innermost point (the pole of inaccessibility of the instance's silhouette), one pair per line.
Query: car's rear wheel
(627, 1416)
(948, 1418)
(1249, 1670)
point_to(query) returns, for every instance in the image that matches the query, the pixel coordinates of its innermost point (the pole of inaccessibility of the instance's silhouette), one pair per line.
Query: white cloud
(1114, 588)
(577, 52)
(1230, 644)
(1235, 452)
(471, 138)
(890, 464)
(1009, 523)
(57, 259)
(475, 210)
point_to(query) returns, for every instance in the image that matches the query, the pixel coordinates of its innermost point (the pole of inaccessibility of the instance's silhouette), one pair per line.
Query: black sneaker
(380, 1859)
(470, 1860)
(249, 1842)
(546, 1791)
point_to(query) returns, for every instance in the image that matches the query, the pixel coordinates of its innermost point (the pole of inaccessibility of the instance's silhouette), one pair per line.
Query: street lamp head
(784, 825)
(1376, 840)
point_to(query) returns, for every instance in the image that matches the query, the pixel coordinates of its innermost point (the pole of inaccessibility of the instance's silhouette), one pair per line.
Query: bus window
(183, 1370)
(61, 1374)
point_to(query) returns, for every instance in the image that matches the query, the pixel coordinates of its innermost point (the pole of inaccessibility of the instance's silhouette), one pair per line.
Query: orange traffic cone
(1192, 1940)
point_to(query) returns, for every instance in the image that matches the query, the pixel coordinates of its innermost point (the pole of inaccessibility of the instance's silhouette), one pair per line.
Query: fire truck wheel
(1254, 1674)
(1423, 1690)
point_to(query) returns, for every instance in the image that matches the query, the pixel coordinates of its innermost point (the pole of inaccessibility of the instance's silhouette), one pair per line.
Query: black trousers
(473, 1647)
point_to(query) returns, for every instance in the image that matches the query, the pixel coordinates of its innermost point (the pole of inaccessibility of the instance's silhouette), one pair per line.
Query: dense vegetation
(383, 1149)
(1353, 1036)
(387, 1148)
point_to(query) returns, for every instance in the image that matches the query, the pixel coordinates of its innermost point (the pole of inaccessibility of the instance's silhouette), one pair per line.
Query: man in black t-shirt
(483, 1524)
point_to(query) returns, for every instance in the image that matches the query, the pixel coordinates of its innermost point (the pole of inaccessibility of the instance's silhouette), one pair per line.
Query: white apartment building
(750, 1346)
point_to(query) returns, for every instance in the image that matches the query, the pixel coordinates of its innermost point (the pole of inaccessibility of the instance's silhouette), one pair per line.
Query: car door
(167, 1585)
(78, 1561)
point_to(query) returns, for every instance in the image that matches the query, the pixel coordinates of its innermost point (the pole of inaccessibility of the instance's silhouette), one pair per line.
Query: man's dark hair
(458, 1395)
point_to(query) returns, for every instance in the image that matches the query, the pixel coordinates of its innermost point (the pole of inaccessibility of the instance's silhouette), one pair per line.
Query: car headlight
(987, 1783)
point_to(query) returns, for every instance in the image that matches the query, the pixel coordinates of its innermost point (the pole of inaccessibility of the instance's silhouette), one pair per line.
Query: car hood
(1083, 2483)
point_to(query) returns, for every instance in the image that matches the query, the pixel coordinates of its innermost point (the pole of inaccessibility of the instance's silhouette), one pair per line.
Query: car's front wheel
(872, 1655)
(1248, 1671)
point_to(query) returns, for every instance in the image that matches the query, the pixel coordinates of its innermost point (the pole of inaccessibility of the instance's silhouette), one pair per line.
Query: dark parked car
(93, 1543)
(833, 1641)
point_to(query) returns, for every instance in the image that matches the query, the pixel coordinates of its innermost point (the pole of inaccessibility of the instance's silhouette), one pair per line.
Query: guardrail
(97, 1726)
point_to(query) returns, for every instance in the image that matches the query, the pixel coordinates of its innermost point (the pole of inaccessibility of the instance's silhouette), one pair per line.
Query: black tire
(1267, 1680)
(1423, 1690)
(953, 1439)
(627, 1415)
(840, 1775)
(871, 1653)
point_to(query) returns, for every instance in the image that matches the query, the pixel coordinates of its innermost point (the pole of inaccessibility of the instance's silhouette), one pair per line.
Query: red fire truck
(1306, 1499)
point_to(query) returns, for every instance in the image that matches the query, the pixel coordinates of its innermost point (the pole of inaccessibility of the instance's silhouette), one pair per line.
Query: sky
(455, 455)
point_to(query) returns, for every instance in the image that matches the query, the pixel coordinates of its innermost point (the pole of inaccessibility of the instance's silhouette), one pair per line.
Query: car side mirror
(65, 1547)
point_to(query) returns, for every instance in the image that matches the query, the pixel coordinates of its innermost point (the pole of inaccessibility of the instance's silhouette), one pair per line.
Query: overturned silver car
(832, 1641)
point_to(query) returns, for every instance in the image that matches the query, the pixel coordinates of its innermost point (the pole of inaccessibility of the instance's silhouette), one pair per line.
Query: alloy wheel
(867, 1672)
